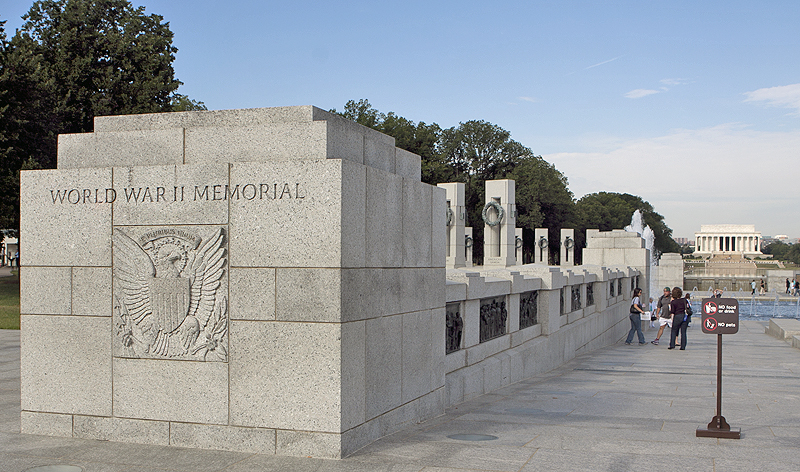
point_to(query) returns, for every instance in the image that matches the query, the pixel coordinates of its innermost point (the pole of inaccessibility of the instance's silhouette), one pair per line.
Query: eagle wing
(132, 269)
(205, 272)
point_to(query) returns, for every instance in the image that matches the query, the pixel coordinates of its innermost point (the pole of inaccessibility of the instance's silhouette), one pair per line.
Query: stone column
(456, 220)
(499, 224)
(567, 247)
(468, 245)
(541, 251)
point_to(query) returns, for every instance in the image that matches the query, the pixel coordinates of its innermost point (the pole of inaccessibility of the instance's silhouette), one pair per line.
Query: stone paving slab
(618, 409)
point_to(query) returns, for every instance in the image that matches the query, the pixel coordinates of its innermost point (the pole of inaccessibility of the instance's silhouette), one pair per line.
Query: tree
(100, 57)
(543, 201)
(73, 60)
(183, 103)
(607, 210)
(419, 138)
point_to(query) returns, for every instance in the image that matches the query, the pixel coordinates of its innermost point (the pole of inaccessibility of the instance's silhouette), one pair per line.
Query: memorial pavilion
(727, 239)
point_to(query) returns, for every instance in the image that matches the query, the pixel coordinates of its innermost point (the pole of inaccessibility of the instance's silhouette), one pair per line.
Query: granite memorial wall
(265, 280)
(273, 281)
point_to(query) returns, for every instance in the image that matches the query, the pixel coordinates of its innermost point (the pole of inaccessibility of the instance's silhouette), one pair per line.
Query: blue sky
(694, 106)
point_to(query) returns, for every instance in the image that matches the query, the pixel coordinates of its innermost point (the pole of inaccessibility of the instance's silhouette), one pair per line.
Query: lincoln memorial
(738, 239)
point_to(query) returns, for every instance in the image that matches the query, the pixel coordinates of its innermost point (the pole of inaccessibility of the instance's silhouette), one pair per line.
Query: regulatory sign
(720, 315)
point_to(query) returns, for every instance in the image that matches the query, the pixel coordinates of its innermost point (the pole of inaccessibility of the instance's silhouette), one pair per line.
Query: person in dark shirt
(680, 318)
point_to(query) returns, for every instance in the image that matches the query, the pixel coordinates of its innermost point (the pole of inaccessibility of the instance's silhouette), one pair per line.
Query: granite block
(408, 165)
(414, 291)
(308, 294)
(384, 349)
(512, 304)
(64, 217)
(438, 226)
(297, 224)
(308, 444)
(91, 291)
(122, 429)
(476, 354)
(46, 424)
(65, 364)
(379, 154)
(165, 390)
(214, 118)
(286, 375)
(454, 388)
(353, 374)
(417, 355)
(472, 322)
(304, 140)
(492, 374)
(345, 139)
(353, 217)
(223, 438)
(385, 287)
(358, 302)
(417, 217)
(384, 223)
(120, 148)
(455, 291)
(438, 317)
(252, 293)
(455, 360)
(45, 291)
(174, 195)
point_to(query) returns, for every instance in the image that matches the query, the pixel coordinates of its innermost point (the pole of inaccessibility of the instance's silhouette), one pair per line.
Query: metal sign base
(732, 433)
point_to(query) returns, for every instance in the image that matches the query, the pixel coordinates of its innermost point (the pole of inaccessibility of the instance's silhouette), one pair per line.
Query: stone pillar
(456, 220)
(499, 224)
(518, 245)
(468, 244)
(541, 252)
(567, 247)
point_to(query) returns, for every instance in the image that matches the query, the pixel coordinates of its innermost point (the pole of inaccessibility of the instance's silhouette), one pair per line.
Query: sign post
(720, 316)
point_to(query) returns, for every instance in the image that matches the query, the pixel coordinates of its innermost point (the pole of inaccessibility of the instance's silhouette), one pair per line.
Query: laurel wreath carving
(500, 213)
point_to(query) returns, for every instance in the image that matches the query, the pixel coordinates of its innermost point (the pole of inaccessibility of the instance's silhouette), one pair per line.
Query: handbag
(645, 316)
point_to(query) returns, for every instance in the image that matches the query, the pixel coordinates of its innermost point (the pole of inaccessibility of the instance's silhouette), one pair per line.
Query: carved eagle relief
(166, 302)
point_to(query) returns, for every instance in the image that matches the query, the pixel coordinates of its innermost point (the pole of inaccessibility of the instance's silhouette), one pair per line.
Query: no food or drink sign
(720, 315)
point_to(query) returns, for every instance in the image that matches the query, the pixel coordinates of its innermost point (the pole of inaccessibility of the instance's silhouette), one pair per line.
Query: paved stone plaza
(619, 408)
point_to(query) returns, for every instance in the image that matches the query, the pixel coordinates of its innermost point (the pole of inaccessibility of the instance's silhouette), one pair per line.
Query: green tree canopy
(70, 61)
(607, 210)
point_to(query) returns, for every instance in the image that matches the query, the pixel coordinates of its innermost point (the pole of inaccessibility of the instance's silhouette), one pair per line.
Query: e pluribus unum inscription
(169, 286)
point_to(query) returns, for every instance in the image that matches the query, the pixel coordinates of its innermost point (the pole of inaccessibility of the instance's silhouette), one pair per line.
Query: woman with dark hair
(680, 318)
(635, 317)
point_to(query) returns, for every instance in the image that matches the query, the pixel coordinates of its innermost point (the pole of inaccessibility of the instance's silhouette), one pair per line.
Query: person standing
(680, 318)
(787, 285)
(653, 317)
(753, 286)
(664, 316)
(636, 317)
(761, 288)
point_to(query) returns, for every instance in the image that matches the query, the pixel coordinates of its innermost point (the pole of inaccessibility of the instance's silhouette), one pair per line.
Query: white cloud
(528, 99)
(639, 93)
(784, 96)
(673, 82)
(724, 174)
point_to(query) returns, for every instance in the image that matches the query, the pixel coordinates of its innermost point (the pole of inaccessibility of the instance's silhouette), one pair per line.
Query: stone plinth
(499, 224)
(541, 252)
(267, 280)
(456, 216)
